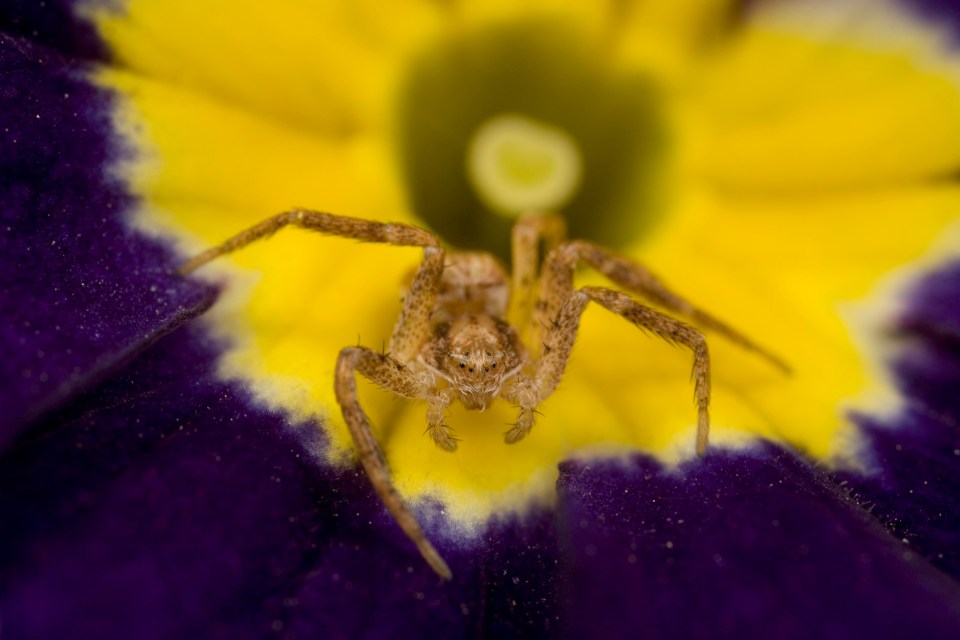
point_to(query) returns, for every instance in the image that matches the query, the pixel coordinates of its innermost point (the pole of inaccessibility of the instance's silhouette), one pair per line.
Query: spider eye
(493, 364)
(463, 364)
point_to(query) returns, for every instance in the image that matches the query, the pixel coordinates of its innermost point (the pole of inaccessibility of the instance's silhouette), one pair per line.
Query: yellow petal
(318, 66)
(590, 15)
(206, 170)
(829, 95)
(668, 39)
(814, 279)
(206, 155)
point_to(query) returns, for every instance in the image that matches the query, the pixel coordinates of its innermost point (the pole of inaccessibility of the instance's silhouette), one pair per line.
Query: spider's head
(476, 354)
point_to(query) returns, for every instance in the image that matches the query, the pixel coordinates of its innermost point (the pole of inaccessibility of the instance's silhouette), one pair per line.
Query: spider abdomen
(472, 283)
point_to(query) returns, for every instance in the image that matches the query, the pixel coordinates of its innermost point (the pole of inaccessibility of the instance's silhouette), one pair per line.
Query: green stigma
(517, 164)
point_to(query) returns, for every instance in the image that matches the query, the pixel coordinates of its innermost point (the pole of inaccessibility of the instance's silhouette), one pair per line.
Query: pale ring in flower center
(517, 164)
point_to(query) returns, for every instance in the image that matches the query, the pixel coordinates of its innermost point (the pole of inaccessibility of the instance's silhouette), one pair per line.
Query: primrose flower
(788, 166)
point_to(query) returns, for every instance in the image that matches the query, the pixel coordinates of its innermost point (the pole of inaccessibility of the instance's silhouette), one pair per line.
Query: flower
(156, 485)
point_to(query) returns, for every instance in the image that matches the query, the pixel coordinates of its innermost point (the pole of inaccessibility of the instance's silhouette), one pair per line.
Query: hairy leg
(558, 282)
(412, 325)
(558, 343)
(389, 373)
(529, 233)
(412, 328)
(398, 234)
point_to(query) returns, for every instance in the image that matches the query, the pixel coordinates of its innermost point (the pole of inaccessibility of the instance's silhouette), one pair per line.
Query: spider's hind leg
(558, 341)
(673, 331)
(557, 316)
(638, 279)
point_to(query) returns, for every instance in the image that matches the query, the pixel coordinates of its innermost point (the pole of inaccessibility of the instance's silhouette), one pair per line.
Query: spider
(452, 340)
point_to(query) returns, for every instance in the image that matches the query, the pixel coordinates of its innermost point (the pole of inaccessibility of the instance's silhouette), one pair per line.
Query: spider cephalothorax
(458, 336)
(476, 354)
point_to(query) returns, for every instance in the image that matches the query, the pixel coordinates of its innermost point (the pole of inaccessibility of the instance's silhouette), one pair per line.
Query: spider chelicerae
(458, 336)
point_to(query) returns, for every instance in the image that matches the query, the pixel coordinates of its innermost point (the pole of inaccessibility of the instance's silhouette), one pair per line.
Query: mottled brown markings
(451, 341)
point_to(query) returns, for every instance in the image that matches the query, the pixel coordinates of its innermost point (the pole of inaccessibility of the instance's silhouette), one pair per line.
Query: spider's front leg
(397, 233)
(391, 374)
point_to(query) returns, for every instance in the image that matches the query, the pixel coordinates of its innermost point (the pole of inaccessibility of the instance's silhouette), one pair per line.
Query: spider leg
(558, 281)
(412, 326)
(558, 341)
(390, 373)
(530, 231)
(396, 233)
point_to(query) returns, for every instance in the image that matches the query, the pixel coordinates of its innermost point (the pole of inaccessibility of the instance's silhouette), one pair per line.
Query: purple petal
(933, 306)
(913, 487)
(504, 586)
(163, 504)
(54, 24)
(740, 545)
(81, 293)
(914, 482)
(160, 505)
(943, 12)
